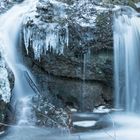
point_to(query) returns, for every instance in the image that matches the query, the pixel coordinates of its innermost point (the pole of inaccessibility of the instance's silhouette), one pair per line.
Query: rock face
(6, 84)
(69, 49)
(5, 5)
(49, 115)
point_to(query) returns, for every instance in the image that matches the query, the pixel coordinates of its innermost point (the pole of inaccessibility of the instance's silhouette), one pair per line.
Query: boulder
(71, 60)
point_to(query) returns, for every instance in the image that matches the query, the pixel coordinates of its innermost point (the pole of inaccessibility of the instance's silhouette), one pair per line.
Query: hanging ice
(50, 36)
(56, 38)
(67, 35)
(37, 48)
(27, 34)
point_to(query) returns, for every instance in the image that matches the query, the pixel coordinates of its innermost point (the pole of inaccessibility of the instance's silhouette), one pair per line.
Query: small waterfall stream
(10, 24)
(127, 62)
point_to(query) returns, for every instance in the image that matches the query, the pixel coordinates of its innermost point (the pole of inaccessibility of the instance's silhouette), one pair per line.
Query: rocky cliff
(69, 50)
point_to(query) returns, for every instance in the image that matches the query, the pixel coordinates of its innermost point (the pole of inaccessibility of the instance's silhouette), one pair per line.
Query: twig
(52, 120)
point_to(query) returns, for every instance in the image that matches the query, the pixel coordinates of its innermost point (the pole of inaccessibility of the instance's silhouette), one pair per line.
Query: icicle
(38, 49)
(52, 37)
(27, 35)
(51, 40)
(67, 35)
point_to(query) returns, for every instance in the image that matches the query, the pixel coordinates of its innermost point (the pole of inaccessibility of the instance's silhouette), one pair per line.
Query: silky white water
(127, 74)
(127, 62)
(10, 24)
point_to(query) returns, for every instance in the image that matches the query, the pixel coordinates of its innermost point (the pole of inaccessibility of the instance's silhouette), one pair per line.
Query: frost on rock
(46, 32)
(86, 12)
(5, 91)
(59, 9)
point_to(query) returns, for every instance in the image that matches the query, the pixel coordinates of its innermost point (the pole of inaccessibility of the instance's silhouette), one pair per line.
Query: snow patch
(101, 109)
(84, 123)
(86, 12)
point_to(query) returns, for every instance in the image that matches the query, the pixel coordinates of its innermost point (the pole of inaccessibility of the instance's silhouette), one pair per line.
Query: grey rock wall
(83, 73)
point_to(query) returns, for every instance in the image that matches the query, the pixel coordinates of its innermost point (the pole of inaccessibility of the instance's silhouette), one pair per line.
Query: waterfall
(127, 62)
(86, 60)
(10, 24)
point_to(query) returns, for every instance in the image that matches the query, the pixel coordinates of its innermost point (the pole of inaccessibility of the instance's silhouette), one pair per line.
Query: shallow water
(124, 127)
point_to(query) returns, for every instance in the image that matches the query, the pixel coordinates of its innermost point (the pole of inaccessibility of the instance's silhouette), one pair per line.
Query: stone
(80, 73)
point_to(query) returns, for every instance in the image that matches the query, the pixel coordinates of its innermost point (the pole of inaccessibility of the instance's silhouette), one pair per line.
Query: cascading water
(10, 24)
(127, 75)
(127, 62)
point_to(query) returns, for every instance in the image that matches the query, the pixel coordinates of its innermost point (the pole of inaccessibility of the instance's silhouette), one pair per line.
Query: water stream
(127, 64)
(11, 22)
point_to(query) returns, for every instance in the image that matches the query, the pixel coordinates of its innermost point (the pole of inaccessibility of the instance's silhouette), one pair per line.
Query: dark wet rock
(10, 77)
(80, 73)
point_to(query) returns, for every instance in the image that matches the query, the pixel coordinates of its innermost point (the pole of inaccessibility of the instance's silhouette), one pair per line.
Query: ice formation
(47, 36)
(56, 38)
(27, 34)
